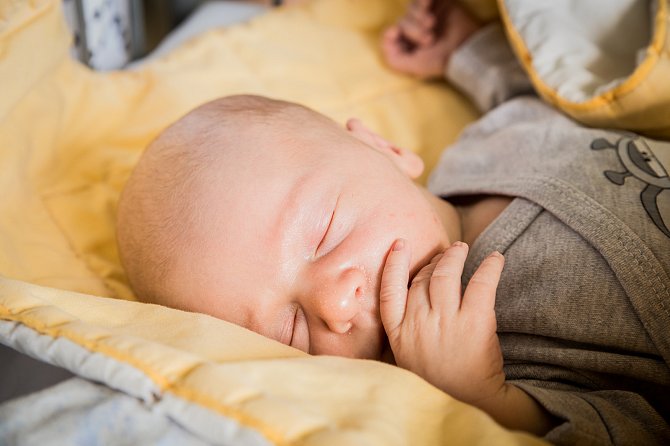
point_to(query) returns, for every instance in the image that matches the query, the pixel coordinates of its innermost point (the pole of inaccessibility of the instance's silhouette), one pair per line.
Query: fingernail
(495, 254)
(458, 243)
(399, 244)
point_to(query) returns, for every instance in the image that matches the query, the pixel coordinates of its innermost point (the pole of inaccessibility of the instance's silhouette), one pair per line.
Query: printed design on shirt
(649, 162)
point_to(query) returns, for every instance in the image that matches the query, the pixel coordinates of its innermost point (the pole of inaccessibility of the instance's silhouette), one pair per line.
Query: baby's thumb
(393, 291)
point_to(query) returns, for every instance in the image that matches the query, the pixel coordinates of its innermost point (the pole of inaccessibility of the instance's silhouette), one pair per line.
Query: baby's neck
(466, 218)
(448, 215)
(478, 212)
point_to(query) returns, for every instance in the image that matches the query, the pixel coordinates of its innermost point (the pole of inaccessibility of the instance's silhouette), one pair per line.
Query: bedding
(69, 138)
(215, 381)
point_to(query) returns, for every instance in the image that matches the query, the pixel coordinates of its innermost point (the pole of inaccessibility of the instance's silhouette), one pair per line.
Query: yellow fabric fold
(75, 135)
(289, 397)
(69, 138)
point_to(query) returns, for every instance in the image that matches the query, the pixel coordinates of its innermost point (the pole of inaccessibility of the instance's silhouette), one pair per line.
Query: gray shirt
(583, 305)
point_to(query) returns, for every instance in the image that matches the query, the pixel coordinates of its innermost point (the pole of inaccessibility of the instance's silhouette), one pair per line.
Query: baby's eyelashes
(286, 334)
(300, 331)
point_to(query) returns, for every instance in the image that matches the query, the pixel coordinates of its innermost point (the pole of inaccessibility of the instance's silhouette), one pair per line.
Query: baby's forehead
(261, 159)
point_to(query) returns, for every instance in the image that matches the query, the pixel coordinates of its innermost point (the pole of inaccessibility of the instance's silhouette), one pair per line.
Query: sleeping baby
(271, 216)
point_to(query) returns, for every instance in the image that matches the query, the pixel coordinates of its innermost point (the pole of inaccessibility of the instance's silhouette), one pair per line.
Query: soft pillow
(69, 137)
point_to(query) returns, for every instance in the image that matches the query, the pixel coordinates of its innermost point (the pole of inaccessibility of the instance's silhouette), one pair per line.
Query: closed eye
(288, 325)
(326, 232)
(295, 320)
(300, 333)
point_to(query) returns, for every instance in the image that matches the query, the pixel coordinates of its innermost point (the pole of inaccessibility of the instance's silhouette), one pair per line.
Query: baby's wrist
(515, 409)
(493, 396)
(465, 26)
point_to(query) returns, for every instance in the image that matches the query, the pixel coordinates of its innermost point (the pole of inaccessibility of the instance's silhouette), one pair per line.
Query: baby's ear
(408, 161)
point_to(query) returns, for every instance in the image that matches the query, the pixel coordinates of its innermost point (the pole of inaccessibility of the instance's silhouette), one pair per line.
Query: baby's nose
(338, 301)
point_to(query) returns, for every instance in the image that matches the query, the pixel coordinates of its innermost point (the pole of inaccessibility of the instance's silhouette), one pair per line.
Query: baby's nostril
(359, 292)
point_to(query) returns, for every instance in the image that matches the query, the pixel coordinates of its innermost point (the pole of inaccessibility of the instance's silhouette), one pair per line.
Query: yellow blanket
(68, 140)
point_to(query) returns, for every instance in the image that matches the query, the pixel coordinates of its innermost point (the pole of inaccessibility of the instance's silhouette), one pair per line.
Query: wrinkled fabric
(583, 305)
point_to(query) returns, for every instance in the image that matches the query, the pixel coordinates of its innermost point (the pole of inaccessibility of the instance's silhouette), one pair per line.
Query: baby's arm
(422, 41)
(476, 59)
(449, 338)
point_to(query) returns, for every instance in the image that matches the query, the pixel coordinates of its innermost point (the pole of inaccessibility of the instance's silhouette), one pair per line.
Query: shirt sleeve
(608, 417)
(486, 70)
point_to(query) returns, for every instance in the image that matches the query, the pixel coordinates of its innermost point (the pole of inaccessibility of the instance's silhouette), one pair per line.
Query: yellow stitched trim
(214, 405)
(641, 72)
(163, 383)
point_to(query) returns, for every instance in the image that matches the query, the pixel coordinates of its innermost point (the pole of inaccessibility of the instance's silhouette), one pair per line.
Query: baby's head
(271, 216)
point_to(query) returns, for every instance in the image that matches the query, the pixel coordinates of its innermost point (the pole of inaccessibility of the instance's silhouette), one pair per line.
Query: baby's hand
(447, 339)
(422, 41)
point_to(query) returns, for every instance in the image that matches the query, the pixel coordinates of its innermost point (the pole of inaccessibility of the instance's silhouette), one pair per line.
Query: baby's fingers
(480, 295)
(417, 32)
(422, 15)
(445, 283)
(416, 25)
(393, 291)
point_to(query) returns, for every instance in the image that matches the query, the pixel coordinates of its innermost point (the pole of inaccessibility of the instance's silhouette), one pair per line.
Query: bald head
(271, 216)
(165, 197)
